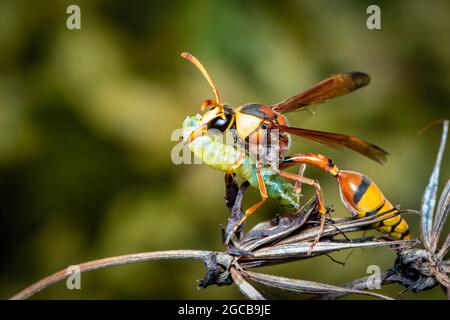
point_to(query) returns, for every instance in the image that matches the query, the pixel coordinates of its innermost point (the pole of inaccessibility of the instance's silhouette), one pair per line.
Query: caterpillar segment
(212, 151)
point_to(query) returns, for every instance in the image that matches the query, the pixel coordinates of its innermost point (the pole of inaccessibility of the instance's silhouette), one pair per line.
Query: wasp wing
(332, 87)
(336, 140)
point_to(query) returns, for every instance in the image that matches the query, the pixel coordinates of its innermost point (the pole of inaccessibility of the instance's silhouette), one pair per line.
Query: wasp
(252, 124)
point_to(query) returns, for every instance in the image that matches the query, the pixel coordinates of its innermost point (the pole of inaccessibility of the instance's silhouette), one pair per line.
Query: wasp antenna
(202, 69)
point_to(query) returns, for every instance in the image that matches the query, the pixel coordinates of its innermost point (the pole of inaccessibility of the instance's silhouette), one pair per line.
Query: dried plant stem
(246, 288)
(110, 262)
(303, 286)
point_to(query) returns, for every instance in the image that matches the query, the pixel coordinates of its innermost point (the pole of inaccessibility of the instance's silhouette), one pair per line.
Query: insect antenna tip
(186, 55)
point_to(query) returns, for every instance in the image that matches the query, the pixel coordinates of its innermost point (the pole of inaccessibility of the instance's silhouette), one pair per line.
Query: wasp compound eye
(219, 123)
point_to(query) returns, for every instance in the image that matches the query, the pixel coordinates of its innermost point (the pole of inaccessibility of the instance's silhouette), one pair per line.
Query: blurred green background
(86, 118)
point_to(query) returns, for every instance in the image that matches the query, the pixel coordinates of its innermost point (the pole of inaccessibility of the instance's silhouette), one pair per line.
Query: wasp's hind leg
(301, 179)
(298, 185)
(359, 194)
(321, 204)
(236, 164)
(316, 160)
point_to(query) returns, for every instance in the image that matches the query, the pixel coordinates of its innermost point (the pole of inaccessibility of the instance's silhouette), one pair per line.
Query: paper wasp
(251, 125)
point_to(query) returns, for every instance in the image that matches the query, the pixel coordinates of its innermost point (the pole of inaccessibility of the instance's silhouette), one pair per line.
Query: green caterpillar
(212, 151)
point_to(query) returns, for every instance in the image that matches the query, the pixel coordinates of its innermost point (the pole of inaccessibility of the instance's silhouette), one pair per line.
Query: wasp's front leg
(236, 164)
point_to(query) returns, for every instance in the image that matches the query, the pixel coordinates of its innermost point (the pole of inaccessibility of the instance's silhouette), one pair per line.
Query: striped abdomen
(362, 198)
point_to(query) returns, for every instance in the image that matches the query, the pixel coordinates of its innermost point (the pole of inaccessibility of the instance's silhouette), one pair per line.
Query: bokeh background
(86, 118)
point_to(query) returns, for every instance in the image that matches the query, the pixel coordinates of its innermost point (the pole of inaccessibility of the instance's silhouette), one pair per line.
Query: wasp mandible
(252, 125)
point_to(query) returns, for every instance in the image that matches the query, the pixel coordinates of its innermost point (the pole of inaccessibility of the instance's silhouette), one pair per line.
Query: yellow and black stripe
(363, 198)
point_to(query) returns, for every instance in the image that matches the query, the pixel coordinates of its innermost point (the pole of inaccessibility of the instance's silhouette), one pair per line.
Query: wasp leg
(253, 208)
(308, 181)
(236, 164)
(298, 185)
(359, 194)
(300, 179)
(316, 160)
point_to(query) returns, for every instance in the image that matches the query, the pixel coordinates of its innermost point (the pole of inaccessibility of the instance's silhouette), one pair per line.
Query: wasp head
(219, 118)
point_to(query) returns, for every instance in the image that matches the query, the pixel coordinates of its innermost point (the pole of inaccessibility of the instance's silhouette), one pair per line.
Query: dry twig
(279, 240)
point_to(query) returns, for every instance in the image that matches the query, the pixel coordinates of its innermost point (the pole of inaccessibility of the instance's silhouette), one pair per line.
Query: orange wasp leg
(308, 181)
(298, 185)
(315, 160)
(236, 164)
(253, 208)
(359, 194)
(315, 184)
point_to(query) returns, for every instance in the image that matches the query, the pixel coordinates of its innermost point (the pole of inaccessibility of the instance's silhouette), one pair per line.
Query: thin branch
(303, 286)
(246, 288)
(302, 249)
(109, 262)
(358, 284)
